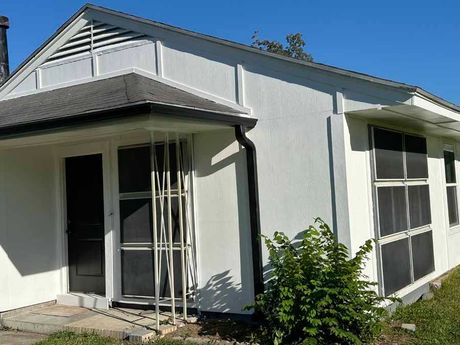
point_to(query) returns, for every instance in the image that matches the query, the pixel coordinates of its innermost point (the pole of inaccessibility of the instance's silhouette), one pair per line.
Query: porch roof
(114, 97)
(419, 113)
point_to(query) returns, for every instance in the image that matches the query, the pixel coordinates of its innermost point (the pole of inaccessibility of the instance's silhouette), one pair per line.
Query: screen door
(85, 223)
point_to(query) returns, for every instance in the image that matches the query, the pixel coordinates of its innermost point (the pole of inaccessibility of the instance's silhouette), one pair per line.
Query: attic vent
(92, 36)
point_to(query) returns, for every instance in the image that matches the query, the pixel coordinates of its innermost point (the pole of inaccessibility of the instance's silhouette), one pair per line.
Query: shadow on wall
(27, 211)
(220, 152)
(218, 291)
(221, 288)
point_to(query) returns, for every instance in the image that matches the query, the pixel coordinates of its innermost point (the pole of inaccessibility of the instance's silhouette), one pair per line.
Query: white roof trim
(143, 73)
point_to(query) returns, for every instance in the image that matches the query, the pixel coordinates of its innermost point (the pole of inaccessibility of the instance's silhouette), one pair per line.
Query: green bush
(316, 293)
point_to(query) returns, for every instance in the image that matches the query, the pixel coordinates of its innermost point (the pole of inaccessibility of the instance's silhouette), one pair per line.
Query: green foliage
(295, 46)
(317, 294)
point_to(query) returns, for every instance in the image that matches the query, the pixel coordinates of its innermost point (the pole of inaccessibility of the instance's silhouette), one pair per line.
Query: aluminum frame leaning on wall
(156, 223)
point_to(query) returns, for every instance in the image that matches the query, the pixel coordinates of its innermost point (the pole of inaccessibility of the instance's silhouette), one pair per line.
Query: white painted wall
(359, 187)
(222, 223)
(29, 248)
(292, 149)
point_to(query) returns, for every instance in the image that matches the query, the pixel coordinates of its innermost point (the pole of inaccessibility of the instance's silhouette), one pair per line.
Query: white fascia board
(423, 102)
(42, 55)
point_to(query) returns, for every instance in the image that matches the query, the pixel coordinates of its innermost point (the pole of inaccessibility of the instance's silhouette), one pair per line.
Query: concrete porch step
(91, 301)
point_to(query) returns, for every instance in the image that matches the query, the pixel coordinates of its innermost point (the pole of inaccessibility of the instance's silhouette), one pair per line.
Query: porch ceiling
(116, 97)
(413, 116)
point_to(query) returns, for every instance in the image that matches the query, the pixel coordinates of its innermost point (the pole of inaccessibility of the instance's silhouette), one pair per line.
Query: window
(451, 185)
(402, 208)
(137, 214)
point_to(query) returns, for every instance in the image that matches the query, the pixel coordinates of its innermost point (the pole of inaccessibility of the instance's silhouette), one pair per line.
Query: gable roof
(99, 99)
(319, 66)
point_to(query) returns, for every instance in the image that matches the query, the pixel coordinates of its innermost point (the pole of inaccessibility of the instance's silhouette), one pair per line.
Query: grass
(437, 320)
(69, 338)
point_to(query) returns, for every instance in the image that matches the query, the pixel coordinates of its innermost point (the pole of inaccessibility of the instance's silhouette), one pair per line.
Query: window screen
(451, 187)
(403, 209)
(136, 221)
(164, 282)
(161, 162)
(419, 206)
(392, 210)
(396, 265)
(416, 159)
(388, 154)
(137, 272)
(174, 217)
(452, 206)
(134, 169)
(422, 252)
(449, 165)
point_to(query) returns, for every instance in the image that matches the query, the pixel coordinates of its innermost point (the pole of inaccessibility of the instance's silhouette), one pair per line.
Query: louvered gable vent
(93, 36)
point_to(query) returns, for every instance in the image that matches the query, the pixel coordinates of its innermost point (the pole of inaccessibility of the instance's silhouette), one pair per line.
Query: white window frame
(404, 182)
(451, 148)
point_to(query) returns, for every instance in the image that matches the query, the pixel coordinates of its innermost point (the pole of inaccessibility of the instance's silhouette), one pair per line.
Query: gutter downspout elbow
(253, 191)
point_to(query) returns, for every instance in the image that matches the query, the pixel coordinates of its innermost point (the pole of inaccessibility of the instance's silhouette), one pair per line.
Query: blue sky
(416, 42)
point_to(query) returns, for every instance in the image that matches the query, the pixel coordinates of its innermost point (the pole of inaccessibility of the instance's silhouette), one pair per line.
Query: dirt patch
(393, 335)
(219, 329)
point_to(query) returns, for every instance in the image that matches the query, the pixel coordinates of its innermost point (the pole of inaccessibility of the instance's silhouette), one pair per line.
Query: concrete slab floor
(116, 322)
(19, 338)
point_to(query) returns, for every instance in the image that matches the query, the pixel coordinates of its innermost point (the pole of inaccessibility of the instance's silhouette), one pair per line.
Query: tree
(295, 46)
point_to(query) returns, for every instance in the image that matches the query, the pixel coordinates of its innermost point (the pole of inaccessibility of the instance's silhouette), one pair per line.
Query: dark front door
(85, 223)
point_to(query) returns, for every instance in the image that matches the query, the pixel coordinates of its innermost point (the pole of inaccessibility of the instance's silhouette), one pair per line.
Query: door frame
(75, 150)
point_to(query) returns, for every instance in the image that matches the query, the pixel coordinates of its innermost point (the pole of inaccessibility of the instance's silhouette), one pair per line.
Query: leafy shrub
(317, 294)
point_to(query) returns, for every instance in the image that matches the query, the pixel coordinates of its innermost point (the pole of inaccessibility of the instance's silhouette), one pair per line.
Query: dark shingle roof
(96, 97)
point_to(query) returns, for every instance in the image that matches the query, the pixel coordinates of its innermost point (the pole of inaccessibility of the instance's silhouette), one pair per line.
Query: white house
(139, 163)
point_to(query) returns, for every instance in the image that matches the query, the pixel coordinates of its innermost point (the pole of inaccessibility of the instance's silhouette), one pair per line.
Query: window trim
(406, 182)
(451, 148)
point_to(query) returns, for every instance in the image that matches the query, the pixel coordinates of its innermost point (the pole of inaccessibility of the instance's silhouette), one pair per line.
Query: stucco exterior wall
(29, 248)
(222, 223)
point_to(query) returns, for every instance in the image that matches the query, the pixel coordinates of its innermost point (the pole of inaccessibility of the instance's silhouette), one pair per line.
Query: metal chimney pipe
(4, 62)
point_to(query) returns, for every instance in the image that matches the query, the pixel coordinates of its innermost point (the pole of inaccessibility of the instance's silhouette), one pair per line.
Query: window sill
(454, 230)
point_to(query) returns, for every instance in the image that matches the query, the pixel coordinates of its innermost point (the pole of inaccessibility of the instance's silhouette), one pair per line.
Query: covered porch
(113, 190)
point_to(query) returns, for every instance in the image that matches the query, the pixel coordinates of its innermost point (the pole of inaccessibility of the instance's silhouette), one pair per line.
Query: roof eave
(436, 99)
(143, 108)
